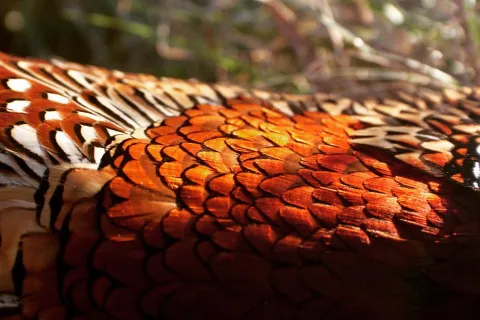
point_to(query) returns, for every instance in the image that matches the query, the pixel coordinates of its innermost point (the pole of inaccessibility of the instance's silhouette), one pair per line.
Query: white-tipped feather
(52, 115)
(69, 147)
(57, 98)
(18, 106)
(26, 136)
(88, 133)
(19, 85)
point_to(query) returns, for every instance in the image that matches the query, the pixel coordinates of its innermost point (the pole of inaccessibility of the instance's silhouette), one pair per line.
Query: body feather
(137, 197)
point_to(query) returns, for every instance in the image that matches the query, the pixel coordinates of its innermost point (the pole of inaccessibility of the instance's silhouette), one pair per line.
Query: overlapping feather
(177, 199)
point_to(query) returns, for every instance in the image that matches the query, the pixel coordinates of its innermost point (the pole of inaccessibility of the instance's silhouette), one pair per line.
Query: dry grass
(298, 45)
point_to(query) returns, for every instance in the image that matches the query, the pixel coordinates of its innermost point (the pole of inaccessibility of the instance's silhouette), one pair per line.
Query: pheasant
(125, 196)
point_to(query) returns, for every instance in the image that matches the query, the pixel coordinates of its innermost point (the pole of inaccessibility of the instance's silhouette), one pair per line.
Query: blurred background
(343, 46)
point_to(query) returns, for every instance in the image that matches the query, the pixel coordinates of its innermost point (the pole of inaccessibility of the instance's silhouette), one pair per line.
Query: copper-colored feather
(215, 202)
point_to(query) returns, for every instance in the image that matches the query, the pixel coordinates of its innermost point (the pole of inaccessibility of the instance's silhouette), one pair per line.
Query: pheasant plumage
(130, 197)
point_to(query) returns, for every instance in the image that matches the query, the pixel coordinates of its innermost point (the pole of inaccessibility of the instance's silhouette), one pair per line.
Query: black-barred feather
(71, 137)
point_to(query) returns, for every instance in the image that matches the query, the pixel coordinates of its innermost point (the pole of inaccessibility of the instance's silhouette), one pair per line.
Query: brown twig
(286, 21)
(337, 39)
(367, 50)
(375, 74)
